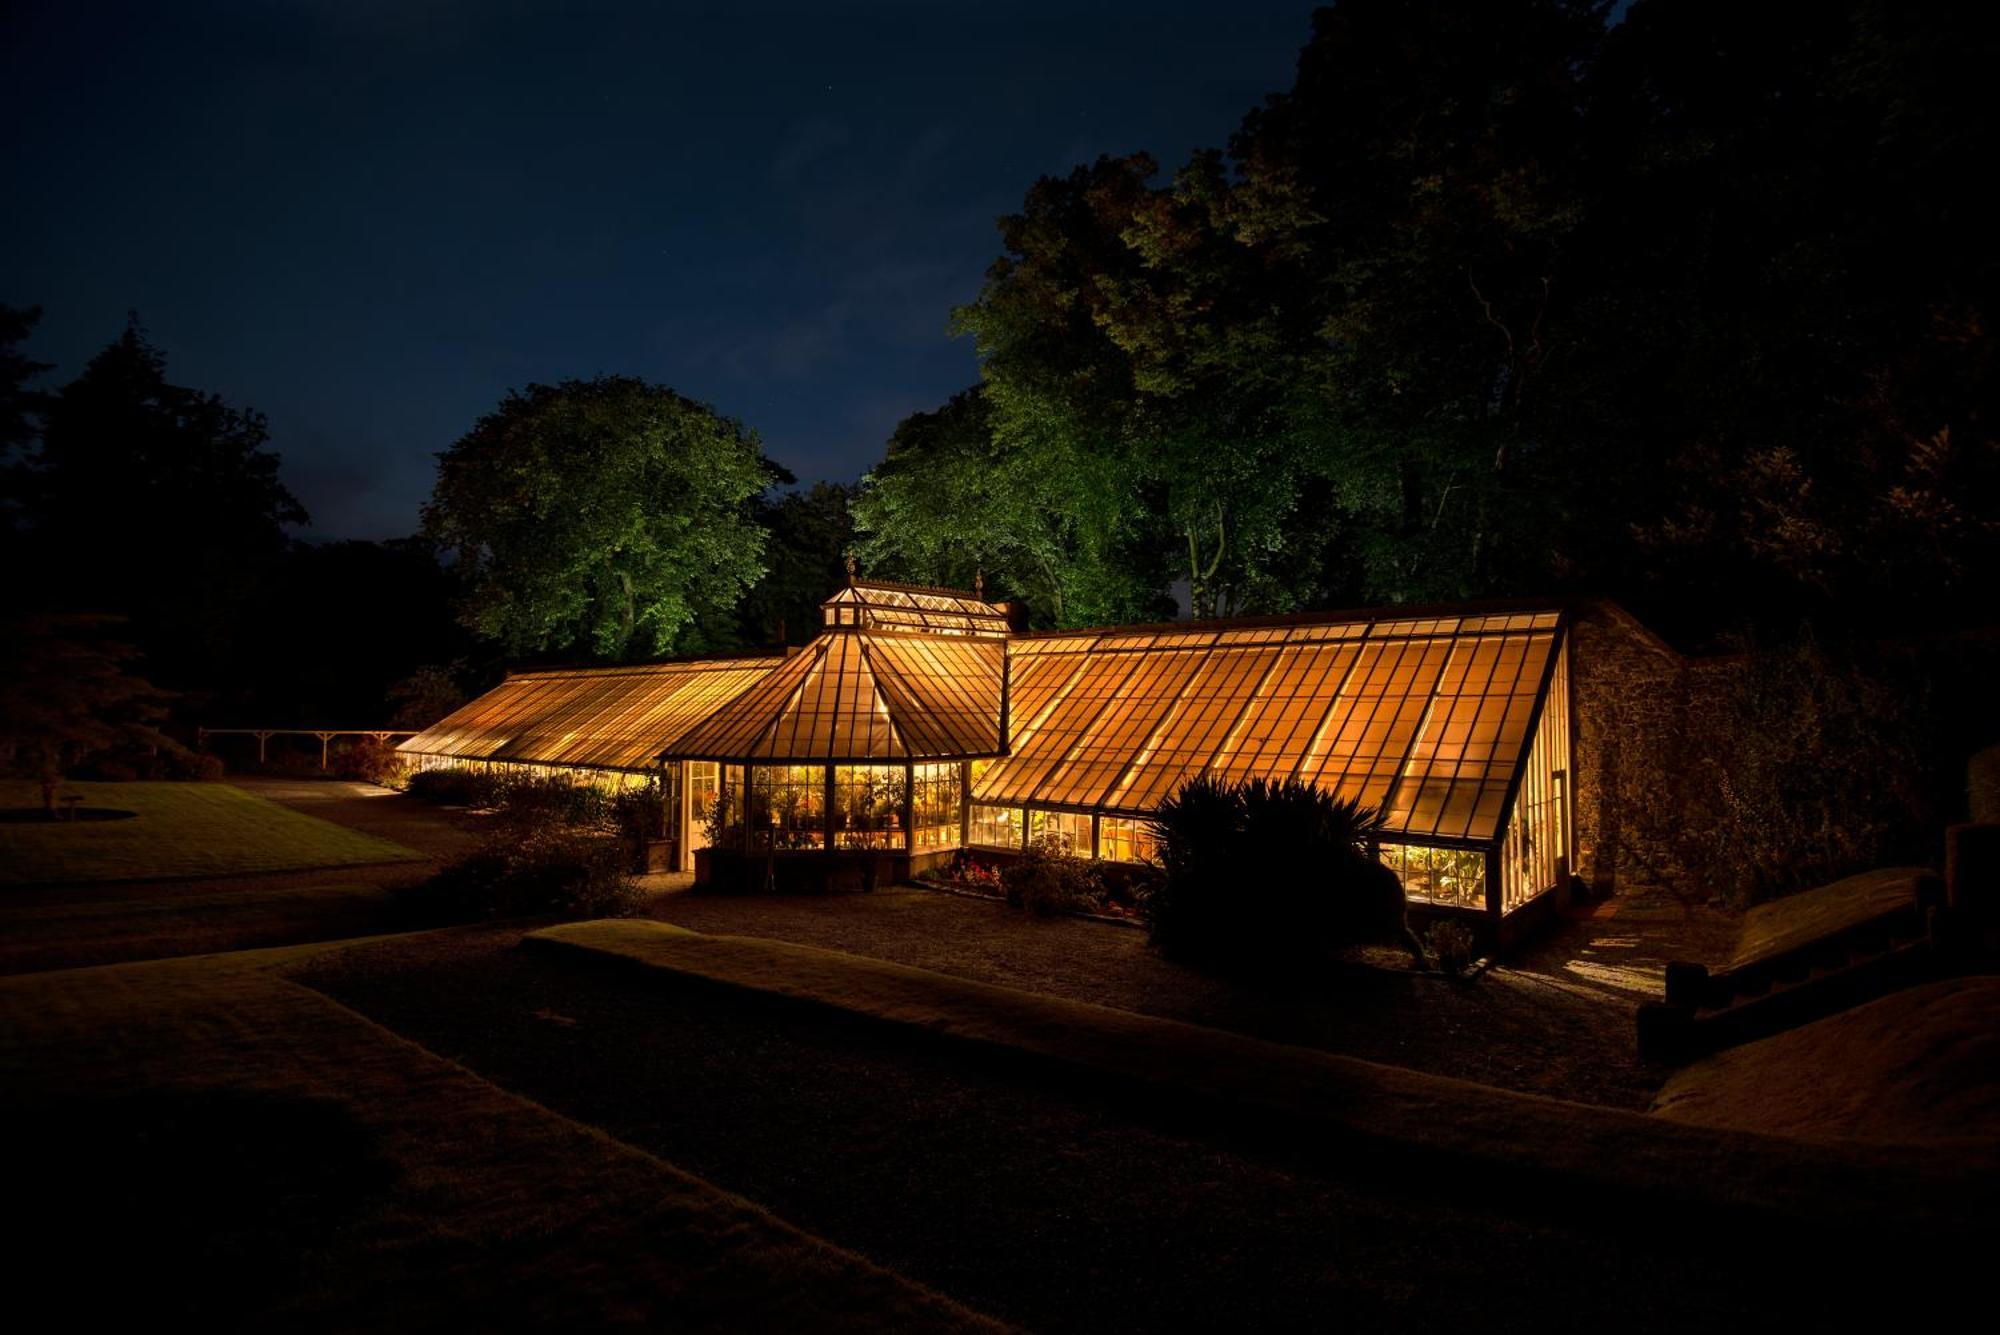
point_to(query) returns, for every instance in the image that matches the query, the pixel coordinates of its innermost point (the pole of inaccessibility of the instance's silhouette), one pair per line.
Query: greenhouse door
(704, 781)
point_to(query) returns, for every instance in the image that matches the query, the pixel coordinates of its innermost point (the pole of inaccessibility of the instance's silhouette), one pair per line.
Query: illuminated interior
(918, 723)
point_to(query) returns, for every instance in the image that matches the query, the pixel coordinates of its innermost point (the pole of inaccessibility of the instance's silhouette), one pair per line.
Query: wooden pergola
(325, 735)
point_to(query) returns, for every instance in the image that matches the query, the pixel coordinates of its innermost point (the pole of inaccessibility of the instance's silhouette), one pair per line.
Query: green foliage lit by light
(609, 516)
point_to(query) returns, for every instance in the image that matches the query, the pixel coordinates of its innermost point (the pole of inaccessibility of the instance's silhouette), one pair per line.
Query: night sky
(370, 218)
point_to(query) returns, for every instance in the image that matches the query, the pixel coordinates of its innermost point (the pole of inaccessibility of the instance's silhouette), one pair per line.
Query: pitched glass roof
(605, 718)
(859, 696)
(1426, 717)
(873, 604)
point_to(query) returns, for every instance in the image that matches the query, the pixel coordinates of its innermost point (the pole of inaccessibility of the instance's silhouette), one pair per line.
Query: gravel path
(437, 833)
(1556, 1019)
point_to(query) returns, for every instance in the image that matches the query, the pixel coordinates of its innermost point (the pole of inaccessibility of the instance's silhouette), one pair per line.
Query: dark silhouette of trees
(334, 627)
(808, 534)
(20, 409)
(66, 691)
(155, 501)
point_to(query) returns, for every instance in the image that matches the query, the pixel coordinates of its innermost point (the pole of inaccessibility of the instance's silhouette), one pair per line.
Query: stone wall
(1641, 725)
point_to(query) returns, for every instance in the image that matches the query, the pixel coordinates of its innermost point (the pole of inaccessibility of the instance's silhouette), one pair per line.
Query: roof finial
(853, 567)
(979, 585)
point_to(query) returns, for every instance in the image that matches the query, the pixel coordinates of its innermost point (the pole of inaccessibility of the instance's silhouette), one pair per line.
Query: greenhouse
(923, 722)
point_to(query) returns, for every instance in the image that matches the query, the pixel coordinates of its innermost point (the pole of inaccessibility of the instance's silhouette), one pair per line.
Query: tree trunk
(51, 777)
(628, 614)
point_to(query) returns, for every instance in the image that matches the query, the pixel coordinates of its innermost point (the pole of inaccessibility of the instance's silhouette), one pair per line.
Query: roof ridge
(970, 596)
(1387, 612)
(698, 661)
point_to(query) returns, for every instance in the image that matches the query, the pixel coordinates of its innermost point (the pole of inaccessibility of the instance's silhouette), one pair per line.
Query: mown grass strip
(1479, 1139)
(258, 1156)
(177, 831)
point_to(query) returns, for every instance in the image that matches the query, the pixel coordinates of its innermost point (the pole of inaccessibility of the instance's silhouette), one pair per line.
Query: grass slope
(76, 926)
(246, 1153)
(1915, 1067)
(1596, 1155)
(181, 830)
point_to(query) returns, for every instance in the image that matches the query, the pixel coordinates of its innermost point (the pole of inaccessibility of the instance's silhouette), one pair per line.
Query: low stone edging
(1450, 1133)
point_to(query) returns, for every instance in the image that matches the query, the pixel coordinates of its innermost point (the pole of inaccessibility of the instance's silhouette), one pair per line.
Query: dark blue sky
(370, 218)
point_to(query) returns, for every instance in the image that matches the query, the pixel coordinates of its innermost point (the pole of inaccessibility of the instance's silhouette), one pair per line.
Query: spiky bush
(1259, 874)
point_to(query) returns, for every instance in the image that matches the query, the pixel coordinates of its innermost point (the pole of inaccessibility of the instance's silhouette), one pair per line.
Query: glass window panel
(1124, 839)
(997, 826)
(1068, 830)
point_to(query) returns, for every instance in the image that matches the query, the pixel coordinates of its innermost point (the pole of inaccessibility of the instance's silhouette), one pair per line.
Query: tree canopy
(66, 691)
(152, 500)
(609, 516)
(808, 535)
(1694, 308)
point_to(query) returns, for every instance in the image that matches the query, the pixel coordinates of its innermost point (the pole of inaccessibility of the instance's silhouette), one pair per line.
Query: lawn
(178, 830)
(210, 1144)
(1065, 1204)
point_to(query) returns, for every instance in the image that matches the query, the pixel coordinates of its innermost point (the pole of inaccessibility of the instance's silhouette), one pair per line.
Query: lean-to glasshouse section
(1540, 828)
(1423, 718)
(592, 718)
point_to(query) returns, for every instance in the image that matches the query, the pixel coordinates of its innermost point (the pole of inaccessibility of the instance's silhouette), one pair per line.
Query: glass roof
(856, 696)
(605, 718)
(1424, 717)
(881, 606)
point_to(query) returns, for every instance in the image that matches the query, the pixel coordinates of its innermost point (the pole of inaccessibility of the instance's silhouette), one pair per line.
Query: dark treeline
(1695, 310)
(150, 520)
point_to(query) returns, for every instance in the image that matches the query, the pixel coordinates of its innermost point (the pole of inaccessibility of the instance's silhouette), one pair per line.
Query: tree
(424, 697)
(158, 501)
(65, 692)
(808, 535)
(1066, 476)
(338, 624)
(19, 408)
(610, 515)
(18, 404)
(1793, 326)
(1413, 194)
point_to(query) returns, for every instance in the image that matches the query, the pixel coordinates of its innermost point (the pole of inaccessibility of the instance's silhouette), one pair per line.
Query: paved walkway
(436, 832)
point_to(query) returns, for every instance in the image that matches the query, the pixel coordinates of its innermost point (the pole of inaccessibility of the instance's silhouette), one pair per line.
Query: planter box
(653, 855)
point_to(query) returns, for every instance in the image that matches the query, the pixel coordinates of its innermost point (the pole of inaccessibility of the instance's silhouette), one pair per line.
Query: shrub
(117, 767)
(1049, 880)
(1453, 945)
(1816, 774)
(191, 766)
(457, 786)
(973, 873)
(369, 760)
(530, 869)
(1264, 874)
(169, 760)
(553, 800)
(640, 813)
